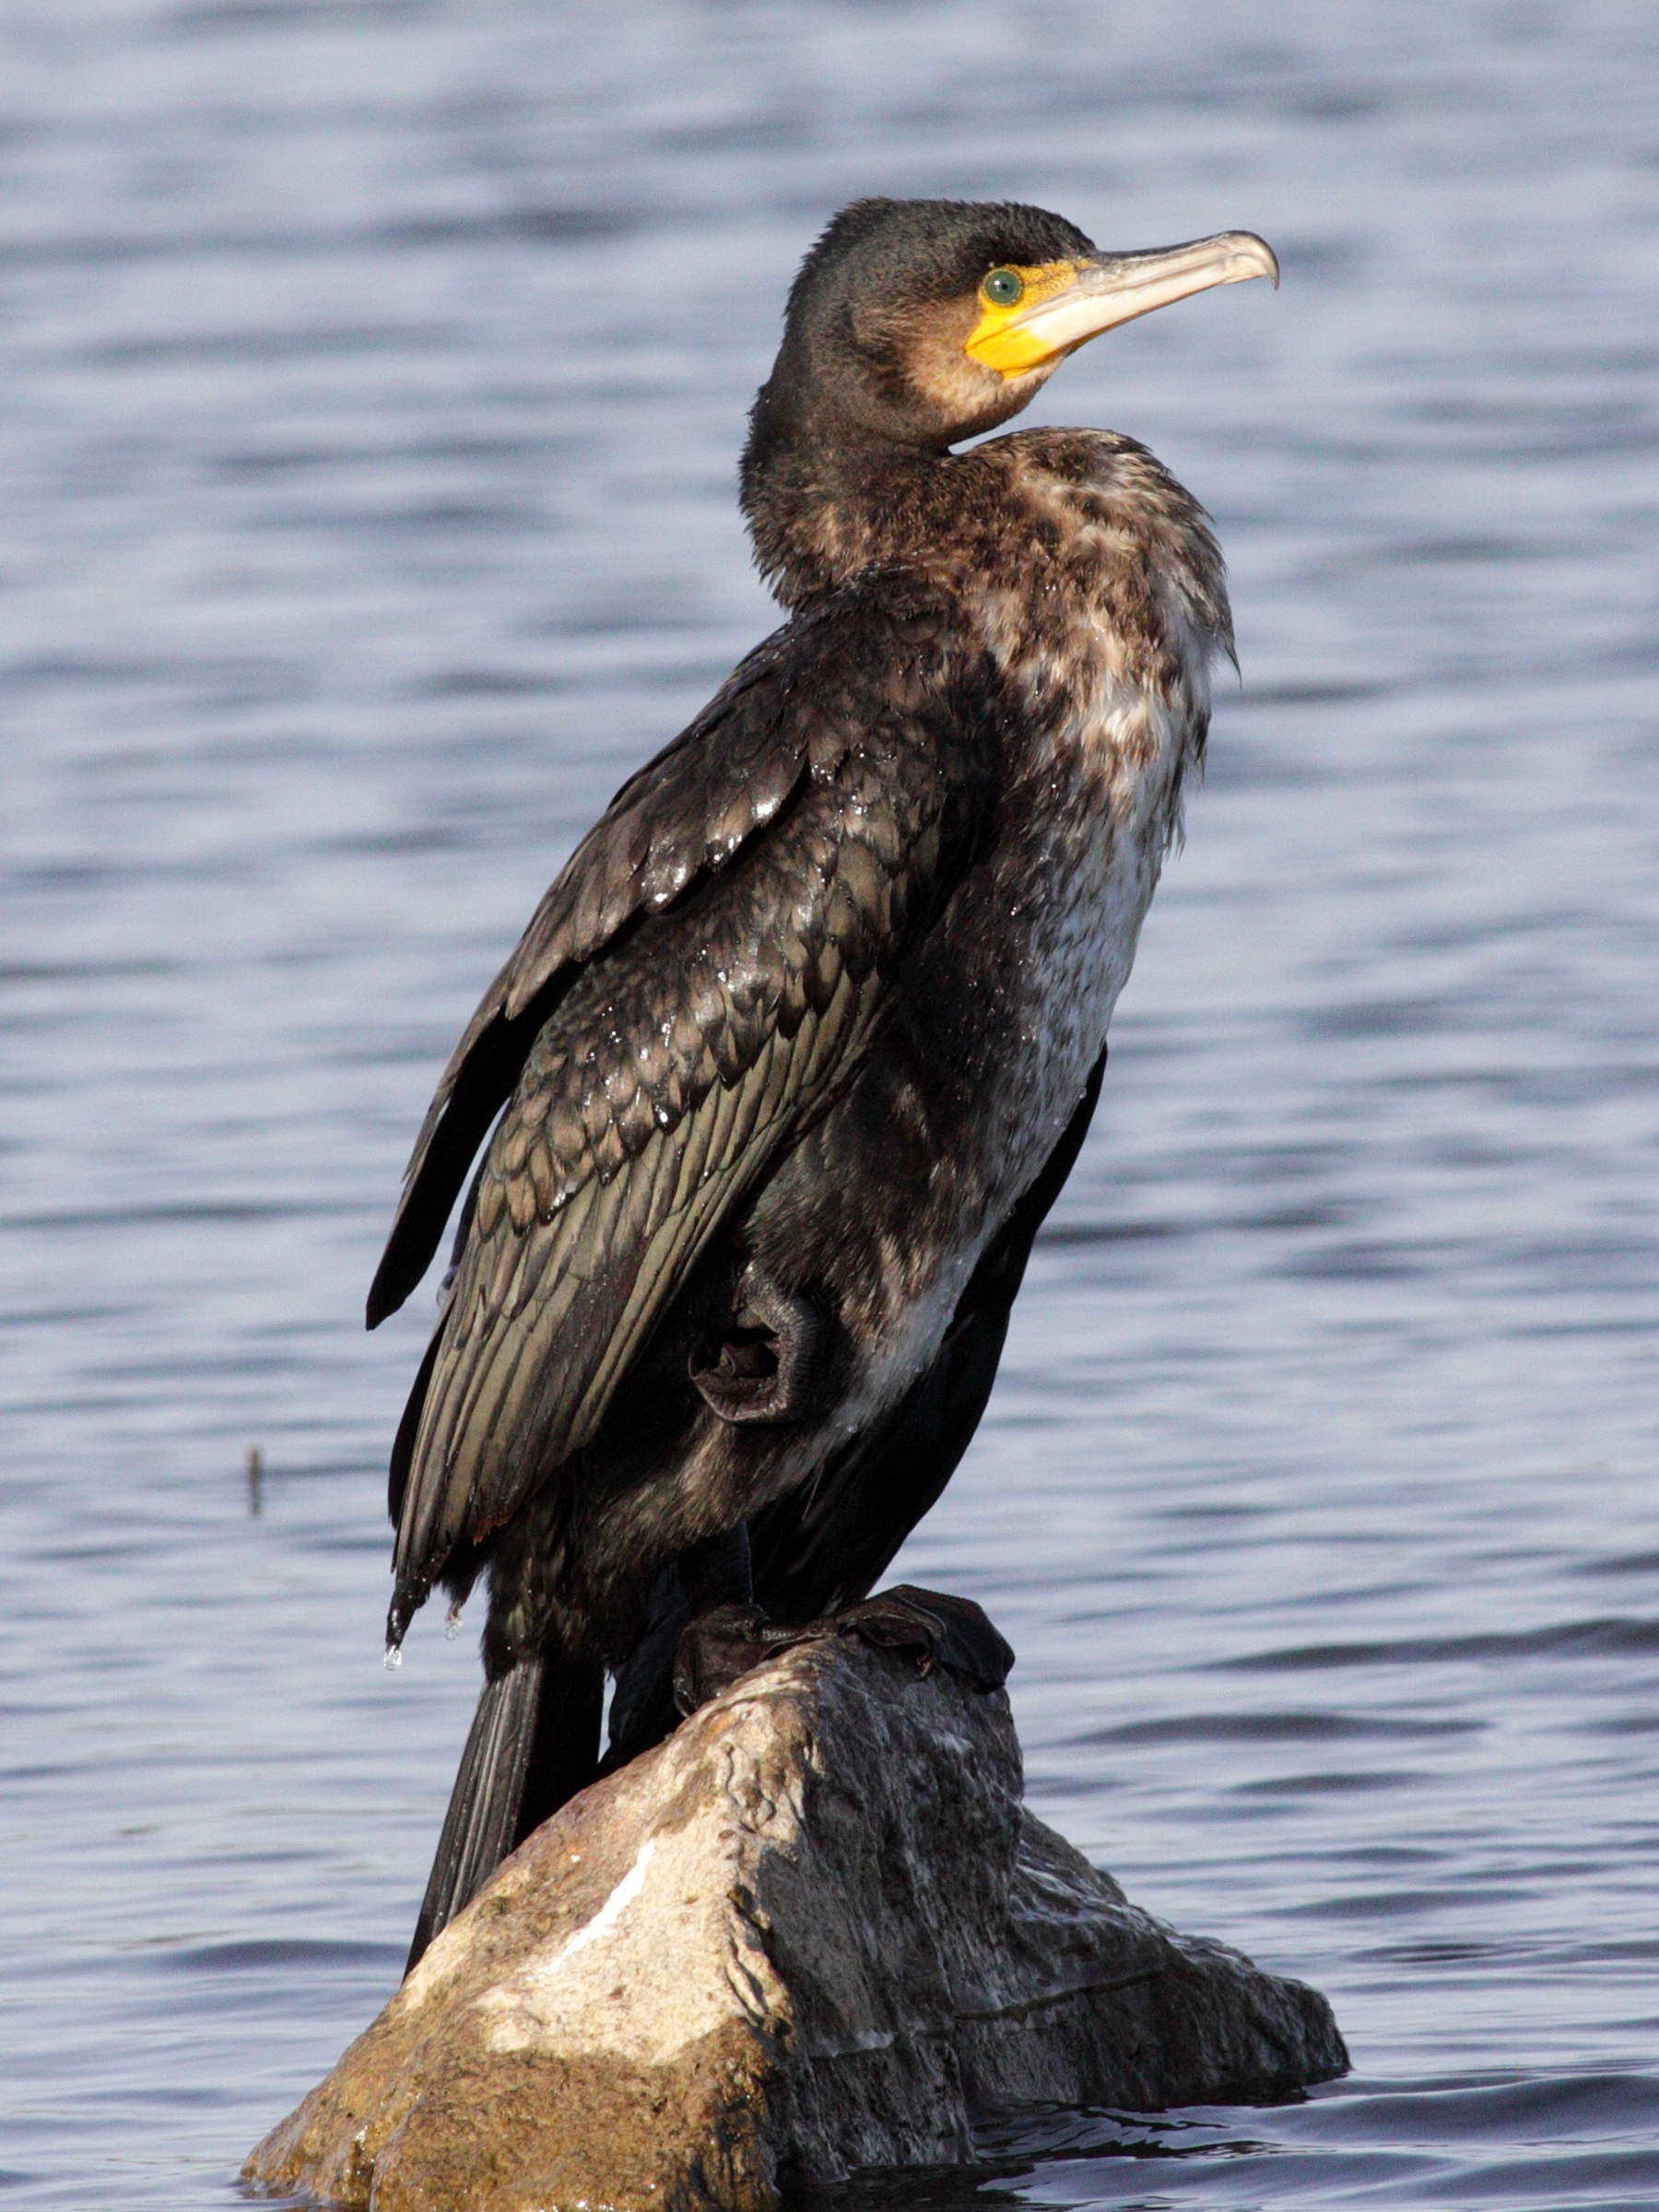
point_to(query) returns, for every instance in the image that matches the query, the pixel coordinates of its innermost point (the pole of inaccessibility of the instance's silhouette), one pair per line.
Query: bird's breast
(1095, 594)
(1093, 813)
(1003, 1017)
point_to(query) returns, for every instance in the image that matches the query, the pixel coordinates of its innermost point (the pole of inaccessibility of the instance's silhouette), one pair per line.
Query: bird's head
(913, 324)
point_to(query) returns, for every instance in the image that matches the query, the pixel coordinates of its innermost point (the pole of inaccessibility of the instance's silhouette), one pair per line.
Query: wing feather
(687, 813)
(677, 1060)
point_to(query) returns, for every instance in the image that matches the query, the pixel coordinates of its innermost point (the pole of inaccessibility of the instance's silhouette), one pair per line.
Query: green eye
(1002, 286)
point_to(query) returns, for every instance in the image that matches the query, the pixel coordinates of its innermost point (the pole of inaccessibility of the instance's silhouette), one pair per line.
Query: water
(375, 375)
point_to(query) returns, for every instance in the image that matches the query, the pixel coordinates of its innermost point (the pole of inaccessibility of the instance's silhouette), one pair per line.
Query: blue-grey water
(373, 376)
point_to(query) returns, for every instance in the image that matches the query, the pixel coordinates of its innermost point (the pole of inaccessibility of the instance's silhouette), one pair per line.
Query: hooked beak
(1066, 303)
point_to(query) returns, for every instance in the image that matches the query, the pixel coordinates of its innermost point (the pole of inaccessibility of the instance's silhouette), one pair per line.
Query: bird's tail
(533, 1744)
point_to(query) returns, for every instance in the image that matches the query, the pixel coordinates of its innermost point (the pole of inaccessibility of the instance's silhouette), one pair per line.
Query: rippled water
(375, 374)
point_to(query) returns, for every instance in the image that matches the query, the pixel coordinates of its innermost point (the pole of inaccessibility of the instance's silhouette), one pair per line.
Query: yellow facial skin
(995, 344)
(1064, 303)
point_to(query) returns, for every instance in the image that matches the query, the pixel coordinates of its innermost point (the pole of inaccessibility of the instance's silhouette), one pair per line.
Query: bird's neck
(822, 509)
(1051, 543)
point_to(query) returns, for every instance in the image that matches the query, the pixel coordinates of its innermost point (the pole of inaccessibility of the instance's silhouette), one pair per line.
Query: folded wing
(703, 977)
(683, 817)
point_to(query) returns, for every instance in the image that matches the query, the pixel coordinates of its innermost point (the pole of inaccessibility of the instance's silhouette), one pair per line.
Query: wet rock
(815, 1930)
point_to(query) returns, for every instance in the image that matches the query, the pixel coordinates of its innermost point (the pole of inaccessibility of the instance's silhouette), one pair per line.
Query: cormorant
(800, 1047)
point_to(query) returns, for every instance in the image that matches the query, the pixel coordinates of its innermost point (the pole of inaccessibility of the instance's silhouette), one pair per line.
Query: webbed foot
(932, 1629)
(717, 1647)
(926, 1627)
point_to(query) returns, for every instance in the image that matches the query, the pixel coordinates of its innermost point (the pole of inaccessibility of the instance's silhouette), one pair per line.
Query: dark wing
(689, 1048)
(823, 1546)
(684, 815)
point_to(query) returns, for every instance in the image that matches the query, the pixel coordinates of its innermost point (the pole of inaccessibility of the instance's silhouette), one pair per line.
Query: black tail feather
(533, 1742)
(564, 1757)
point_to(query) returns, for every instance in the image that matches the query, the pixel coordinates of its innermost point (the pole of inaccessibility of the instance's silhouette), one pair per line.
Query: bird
(759, 1120)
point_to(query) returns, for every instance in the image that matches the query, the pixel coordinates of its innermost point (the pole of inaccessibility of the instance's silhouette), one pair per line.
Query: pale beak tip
(1267, 260)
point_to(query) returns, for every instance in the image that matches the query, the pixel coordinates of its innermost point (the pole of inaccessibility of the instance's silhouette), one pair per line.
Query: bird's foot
(931, 1628)
(763, 1367)
(717, 1647)
(926, 1627)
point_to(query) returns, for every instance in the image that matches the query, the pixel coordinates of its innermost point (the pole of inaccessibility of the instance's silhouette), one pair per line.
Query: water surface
(376, 377)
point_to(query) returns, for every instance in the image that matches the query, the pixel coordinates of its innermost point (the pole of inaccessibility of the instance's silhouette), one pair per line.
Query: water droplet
(393, 1658)
(452, 1621)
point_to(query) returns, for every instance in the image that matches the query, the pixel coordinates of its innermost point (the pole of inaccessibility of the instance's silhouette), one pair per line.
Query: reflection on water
(377, 375)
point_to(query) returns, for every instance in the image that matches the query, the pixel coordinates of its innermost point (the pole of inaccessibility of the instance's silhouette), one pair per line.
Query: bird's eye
(1003, 288)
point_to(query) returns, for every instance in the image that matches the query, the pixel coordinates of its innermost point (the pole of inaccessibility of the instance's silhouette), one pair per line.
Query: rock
(812, 1931)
